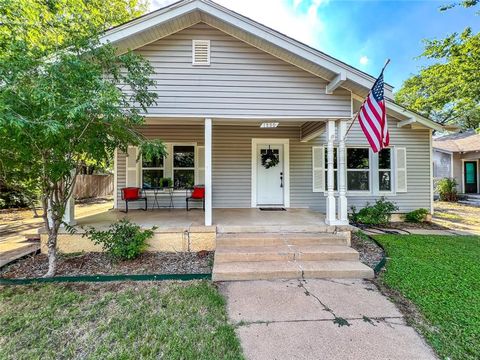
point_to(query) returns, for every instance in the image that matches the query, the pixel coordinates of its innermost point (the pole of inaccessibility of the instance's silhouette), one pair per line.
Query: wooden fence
(89, 186)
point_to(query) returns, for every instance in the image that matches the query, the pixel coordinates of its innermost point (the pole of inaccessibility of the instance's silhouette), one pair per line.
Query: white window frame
(195, 163)
(150, 168)
(370, 171)
(377, 190)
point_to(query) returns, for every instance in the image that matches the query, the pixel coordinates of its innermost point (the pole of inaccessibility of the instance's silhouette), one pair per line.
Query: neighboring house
(231, 89)
(457, 156)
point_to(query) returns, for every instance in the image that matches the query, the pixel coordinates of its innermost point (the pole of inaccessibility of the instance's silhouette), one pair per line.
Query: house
(260, 119)
(457, 156)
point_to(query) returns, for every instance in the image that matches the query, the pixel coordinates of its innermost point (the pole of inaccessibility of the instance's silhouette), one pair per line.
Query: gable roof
(461, 142)
(186, 13)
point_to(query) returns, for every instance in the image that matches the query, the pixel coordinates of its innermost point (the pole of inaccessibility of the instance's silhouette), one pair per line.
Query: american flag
(372, 117)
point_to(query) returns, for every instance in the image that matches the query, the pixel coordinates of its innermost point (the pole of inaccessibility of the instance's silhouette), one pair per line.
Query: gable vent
(200, 52)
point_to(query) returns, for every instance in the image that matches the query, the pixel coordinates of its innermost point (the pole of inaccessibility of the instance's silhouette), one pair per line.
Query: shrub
(376, 214)
(416, 216)
(123, 240)
(447, 189)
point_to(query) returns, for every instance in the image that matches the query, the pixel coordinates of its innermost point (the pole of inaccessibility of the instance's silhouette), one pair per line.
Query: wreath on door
(269, 159)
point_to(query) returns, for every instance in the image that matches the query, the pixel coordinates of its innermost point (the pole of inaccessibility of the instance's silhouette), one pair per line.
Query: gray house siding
(231, 164)
(240, 81)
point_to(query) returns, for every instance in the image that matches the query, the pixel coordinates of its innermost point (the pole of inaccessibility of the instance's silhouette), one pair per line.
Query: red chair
(198, 194)
(133, 194)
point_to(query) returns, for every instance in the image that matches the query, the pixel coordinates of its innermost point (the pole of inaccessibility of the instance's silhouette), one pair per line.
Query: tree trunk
(34, 209)
(52, 252)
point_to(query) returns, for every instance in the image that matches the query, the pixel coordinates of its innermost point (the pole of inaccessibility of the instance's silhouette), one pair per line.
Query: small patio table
(162, 192)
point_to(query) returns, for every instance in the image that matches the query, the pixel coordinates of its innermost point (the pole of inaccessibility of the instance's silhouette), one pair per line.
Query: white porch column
(208, 172)
(69, 215)
(342, 172)
(330, 217)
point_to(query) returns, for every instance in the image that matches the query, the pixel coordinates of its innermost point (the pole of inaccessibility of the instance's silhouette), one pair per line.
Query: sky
(362, 33)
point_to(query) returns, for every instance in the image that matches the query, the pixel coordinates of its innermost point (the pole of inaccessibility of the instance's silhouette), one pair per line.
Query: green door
(470, 173)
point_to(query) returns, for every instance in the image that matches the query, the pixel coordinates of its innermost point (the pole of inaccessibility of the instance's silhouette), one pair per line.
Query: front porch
(224, 220)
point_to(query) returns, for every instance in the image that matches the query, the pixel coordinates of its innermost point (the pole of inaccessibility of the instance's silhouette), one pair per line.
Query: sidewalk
(320, 319)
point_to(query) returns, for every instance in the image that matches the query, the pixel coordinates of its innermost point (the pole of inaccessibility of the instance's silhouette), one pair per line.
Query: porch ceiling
(254, 122)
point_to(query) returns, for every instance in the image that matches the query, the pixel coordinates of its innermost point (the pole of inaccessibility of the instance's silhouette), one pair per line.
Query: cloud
(364, 60)
(298, 19)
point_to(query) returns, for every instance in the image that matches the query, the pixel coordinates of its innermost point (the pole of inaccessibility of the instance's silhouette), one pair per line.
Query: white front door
(270, 174)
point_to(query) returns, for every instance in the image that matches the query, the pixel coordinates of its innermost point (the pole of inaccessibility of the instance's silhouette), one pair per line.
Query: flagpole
(356, 115)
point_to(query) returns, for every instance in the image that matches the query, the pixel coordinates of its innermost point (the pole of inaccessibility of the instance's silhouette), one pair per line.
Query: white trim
(208, 172)
(222, 117)
(286, 168)
(403, 123)
(463, 174)
(115, 178)
(336, 82)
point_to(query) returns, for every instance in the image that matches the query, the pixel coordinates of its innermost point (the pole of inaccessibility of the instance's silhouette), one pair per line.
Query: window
(358, 169)
(183, 166)
(335, 169)
(152, 172)
(385, 170)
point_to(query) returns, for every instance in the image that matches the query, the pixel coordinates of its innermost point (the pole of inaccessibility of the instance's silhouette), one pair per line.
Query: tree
(38, 28)
(65, 99)
(448, 90)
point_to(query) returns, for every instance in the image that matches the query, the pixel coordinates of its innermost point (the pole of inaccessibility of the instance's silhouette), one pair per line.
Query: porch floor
(180, 218)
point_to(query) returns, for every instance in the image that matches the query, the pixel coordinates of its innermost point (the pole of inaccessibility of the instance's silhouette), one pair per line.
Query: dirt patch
(370, 253)
(413, 316)
(100, 263)
(457, 216)
(422, 225)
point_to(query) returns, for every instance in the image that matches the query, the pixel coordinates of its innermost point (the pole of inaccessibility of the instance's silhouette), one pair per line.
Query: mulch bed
(101, 264)
(370, 253)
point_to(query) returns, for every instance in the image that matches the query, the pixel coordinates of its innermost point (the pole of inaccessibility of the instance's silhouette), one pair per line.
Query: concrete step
(225, 254)
(271, 239)
(269, 270)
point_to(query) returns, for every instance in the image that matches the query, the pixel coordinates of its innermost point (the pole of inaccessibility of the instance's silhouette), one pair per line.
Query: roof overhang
(406, 117)
(186, 13)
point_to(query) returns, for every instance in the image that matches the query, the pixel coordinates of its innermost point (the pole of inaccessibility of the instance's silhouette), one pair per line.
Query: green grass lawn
(441, 276)
(152, 320)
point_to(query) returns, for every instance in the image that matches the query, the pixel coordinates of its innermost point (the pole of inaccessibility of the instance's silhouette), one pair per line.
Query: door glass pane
(184, 156)
(470, 173)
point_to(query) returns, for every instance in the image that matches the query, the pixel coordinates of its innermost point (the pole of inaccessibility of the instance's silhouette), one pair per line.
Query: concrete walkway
(319, 319)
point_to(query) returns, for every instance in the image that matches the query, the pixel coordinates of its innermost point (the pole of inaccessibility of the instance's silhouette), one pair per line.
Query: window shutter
(200, 163)
(318, 169)
(401, 169)
(132, 167)
(201, 52)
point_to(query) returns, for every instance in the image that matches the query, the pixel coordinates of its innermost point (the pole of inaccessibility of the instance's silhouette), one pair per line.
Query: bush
(123, 240)
(416, 216)
(447, 189)
(377, 214)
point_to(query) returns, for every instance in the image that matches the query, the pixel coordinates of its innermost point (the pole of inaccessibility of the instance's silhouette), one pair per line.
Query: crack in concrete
(266, 322)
